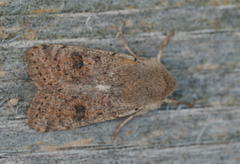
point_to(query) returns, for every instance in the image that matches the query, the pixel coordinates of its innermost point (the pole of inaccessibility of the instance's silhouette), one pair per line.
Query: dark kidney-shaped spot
(80, 110)
(77, 60)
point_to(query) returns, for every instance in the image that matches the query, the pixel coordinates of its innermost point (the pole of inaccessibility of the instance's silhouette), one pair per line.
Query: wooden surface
(203, 55)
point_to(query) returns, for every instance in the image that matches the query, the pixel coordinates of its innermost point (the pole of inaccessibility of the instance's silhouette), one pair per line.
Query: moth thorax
(147, 82)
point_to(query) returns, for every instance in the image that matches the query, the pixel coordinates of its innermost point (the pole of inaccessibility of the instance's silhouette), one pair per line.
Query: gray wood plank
(15, 7)
(203, 55)
(209, 135)
(207, 154)
(106, 24)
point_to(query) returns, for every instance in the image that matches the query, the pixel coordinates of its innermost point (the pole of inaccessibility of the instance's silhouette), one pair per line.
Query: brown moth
(81, 86)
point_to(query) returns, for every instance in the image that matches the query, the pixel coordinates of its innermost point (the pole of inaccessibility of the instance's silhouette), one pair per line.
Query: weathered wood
(16, 7)
(194, 135)
(106, 24)
(203, 55)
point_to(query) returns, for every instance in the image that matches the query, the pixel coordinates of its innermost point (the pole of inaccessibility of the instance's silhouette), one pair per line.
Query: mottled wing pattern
(66, 105)
(48, 64)
(77, 86)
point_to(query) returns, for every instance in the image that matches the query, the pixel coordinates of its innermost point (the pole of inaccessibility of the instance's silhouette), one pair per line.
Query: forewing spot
(77, 60)
(80, 110)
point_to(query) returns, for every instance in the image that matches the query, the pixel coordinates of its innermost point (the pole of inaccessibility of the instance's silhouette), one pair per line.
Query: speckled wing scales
(64, 106)
(77, 86)
(47, 64)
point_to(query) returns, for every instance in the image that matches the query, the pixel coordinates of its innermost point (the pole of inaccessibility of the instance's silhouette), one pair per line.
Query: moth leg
(121, 125)
(125, 45)
(160, 54)
(177, 102)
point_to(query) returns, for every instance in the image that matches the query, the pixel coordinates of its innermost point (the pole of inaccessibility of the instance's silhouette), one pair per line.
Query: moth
(81, 86)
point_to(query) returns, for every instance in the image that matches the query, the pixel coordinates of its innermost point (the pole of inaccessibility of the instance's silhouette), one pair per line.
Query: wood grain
(203, 55)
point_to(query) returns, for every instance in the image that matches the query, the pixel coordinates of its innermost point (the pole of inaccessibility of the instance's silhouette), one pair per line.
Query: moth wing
(64, 106)
(49, 63)
(79, 86)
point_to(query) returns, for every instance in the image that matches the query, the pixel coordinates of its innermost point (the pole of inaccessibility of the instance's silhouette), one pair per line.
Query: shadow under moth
(80, 86)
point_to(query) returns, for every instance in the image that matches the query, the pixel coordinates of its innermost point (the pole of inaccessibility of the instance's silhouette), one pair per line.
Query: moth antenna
(125, 45)
(121, 125)
(160, 54)
(177, 102)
